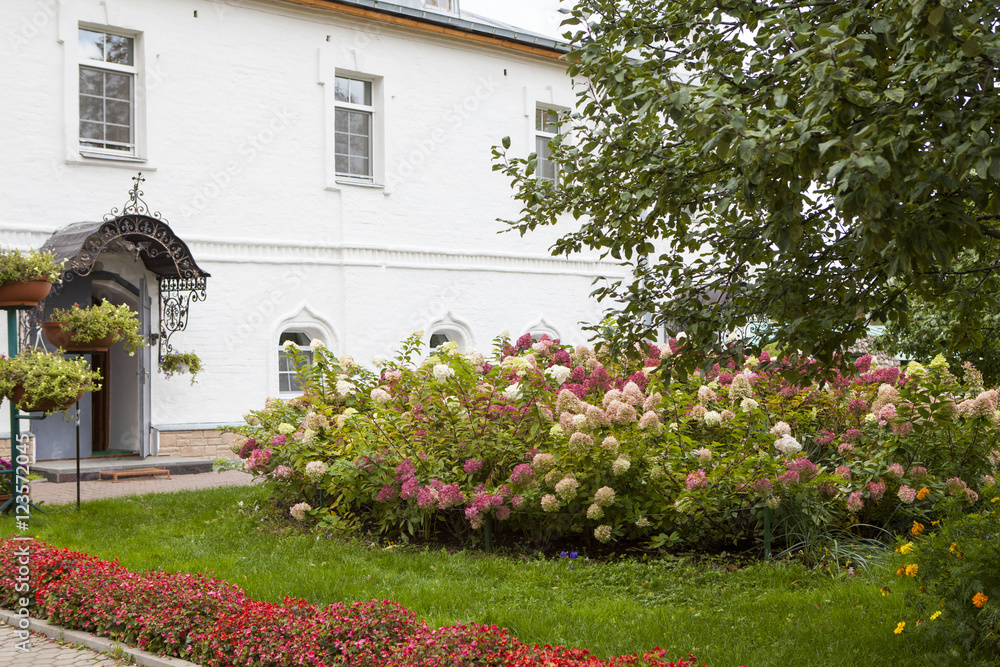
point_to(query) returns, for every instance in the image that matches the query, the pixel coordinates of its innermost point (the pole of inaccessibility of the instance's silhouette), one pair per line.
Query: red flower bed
(212, 622)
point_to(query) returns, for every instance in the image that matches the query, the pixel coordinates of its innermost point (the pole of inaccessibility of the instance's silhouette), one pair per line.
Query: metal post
(78, 456)
(767, 532)
(15, 422)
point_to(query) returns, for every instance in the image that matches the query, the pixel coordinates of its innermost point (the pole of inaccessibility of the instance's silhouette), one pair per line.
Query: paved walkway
(45, 652)
(65, 493)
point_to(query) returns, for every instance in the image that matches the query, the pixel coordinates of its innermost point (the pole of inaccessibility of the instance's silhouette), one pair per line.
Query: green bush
(956, 579)
(546, 441)
(17, 266)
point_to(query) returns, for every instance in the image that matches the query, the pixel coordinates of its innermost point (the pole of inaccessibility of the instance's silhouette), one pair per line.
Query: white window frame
(305, 349)
(136, 111)
(541, 133)
(344, 177)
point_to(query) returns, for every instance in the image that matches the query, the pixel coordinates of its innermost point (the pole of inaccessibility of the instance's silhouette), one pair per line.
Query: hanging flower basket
(24, 293)
(40, 381)
(61, 336)
(17, 398)
(94, 328)
(26, 277)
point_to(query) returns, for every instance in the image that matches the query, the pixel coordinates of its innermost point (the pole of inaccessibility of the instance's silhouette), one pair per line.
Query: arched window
(442, 336)
(288, 381)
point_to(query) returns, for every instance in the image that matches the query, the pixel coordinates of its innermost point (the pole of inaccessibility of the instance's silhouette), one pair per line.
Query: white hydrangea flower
(345, 388)
(749, 405)
(315, 470)
(620, 466)
(298, 512)
(316, 344)
(442, 372)
(289, 344)
(788, 445)
(713, 418)
(251, 419)
(379, 360)
(513, 392)
(559, 374)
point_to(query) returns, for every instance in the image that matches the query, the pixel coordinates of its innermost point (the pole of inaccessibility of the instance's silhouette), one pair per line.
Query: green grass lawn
(774, 613)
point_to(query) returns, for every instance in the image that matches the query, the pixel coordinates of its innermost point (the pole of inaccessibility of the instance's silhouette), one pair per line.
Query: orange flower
(918, 528)
(901, 572)
(923, 493)
(979, 600)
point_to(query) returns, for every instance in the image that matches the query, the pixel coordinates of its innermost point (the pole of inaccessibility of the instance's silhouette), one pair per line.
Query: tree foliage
(821, 163)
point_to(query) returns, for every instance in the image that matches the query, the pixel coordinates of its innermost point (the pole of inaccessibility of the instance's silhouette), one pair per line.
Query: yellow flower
(923, 493)
(979, 600)
(935, 615)
(899, 628)
(906, 548)
(995, 499)
(953, 546)
(911, 570)
(901, 572)
(918, 529)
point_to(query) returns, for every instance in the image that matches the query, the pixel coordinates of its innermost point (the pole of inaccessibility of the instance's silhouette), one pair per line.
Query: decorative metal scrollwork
(176, 297)
(135, 204)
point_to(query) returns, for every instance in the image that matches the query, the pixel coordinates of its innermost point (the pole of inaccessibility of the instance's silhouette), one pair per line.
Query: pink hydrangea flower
(854, 502)
(522, 474)
(696, 480)
(876, 490)
(895, 470)
(472, 466)
(906, 494)
(843, 472)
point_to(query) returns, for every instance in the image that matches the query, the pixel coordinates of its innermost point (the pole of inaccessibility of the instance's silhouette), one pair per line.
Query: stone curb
(98, 644)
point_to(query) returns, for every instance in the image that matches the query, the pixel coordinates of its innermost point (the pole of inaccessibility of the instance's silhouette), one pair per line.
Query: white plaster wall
(237, 118)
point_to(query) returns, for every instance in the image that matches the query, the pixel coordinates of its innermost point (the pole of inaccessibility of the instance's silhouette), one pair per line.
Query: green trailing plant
(100, 321)
(20, 267)
(47, 377)
(181, 362)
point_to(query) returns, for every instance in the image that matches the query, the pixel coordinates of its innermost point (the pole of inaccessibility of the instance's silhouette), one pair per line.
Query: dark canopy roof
(147, 238)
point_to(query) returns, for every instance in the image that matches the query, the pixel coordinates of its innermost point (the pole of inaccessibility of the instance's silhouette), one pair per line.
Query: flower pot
(55, 334)
(24, 294)
(46, 406)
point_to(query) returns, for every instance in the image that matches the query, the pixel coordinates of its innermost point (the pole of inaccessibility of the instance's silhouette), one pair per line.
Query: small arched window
(288, 381)
(442, 336)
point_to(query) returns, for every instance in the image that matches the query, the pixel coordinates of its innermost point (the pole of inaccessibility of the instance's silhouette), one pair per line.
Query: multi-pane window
(288, 381)
(107, 92)
(353, 127)
(546, 129)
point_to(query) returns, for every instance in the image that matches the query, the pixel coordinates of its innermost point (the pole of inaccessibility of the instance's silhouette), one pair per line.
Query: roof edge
(443, 24)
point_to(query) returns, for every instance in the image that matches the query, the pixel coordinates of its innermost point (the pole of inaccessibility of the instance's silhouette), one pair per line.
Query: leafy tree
(821, 163)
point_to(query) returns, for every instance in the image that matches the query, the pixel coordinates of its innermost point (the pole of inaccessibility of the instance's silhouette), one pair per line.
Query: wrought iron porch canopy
(147, 238)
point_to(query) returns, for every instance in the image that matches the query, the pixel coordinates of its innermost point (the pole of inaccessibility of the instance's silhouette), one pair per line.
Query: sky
(539, 16)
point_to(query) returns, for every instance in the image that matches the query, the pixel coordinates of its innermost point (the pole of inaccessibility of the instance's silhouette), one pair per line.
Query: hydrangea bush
(544, 440)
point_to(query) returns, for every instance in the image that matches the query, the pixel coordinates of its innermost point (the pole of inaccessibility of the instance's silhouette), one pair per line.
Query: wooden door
(101, 405)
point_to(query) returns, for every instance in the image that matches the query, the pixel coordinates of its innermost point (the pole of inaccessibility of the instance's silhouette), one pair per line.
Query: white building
(327, 162)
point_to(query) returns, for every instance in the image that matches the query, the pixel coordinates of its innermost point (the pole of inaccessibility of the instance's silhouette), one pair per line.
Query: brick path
(65, 493)
(44, 652)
